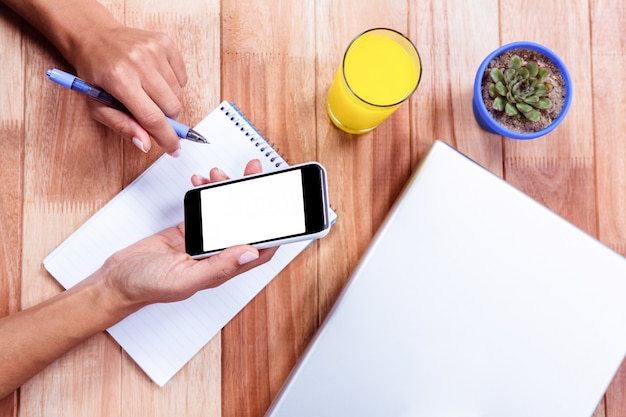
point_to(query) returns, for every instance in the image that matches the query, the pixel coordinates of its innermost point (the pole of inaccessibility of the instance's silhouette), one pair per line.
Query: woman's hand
(153, 270)
(157, 269)
(145, 71)
(142, 69)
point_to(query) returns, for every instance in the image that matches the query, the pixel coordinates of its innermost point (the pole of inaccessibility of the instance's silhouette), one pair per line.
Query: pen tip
(196, 137)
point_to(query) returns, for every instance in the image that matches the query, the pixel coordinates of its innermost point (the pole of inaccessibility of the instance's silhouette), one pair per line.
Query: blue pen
(74, 83)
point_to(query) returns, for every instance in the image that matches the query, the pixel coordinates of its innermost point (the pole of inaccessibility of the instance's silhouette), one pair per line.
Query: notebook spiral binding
(266, 148)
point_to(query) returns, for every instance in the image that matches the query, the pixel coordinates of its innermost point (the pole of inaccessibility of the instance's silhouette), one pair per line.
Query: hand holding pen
(74, 83)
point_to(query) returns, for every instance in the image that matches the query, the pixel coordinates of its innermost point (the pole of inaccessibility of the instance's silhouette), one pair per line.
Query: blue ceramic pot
(483, 117)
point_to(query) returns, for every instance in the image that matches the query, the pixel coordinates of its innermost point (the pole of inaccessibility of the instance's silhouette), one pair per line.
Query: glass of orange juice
(380, 70)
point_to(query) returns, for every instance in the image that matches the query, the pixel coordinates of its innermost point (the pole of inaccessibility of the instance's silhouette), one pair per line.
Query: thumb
(227, 264)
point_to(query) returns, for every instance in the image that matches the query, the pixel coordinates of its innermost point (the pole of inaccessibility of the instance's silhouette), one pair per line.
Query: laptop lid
(471, 300)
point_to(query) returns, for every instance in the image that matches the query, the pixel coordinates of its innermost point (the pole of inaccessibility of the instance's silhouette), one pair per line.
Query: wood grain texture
(608, 22)
(276, 60)
(615, 399)
(12, 131)
(557, 170)
(268, 71)
(11, 189)
(441, 107)
(194, 28)
(66, 155)
(608, 19)
(366, 171)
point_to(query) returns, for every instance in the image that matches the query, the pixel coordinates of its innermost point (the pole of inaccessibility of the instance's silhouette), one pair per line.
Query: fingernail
(139, 144)
(248, 257)
(176, 153)
(200, 178)
(220, 172)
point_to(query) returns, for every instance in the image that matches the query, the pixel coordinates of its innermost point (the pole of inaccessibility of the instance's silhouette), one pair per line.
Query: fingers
(227, 264)
(176, 62)
(146, 72)
(122, 124)
(157, 92)
(237, 259)
(216, 270)
(253, 167)
(156, 269)
(147, 107)
(198, 180)
(216, 174)
(149, 121)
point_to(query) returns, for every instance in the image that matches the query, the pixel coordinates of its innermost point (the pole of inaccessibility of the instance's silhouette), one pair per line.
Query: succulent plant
(520, 89)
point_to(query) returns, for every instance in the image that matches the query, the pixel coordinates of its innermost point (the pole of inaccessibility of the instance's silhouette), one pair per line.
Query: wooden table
(275, 60)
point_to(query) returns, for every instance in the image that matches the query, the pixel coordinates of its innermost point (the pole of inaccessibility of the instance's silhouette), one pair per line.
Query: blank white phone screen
(252, 211)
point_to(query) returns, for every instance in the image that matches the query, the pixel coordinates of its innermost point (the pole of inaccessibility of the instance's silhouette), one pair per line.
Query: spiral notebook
(161, 338)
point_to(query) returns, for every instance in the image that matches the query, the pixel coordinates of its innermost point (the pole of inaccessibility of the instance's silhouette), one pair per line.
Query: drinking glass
(381, 69)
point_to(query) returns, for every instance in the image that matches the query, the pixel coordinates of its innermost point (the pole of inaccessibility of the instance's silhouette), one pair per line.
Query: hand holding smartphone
(262, 210)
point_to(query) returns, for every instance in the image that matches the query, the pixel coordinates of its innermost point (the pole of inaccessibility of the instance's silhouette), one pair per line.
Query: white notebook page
(161, 338)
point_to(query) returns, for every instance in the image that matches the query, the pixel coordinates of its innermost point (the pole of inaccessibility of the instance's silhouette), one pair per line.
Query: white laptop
(472, 300)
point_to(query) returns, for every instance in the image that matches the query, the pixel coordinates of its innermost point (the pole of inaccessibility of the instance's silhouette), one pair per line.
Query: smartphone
(262, 210)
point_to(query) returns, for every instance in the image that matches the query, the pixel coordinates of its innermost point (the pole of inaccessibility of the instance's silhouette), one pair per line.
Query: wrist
(67, 26)
(106, 298)
(84, 34)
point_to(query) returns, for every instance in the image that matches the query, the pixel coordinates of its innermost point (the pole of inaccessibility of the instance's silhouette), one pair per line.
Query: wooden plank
(71, 168)
(367, 171)
(59, 195)
(608, 22)
(269, 72)
(615, 398)
(195, 28)
(557, 170)
(608, 48)
(442, 106)
(11, 190)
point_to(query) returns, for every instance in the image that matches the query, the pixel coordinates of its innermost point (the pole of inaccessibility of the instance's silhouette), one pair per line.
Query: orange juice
(380, 70)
